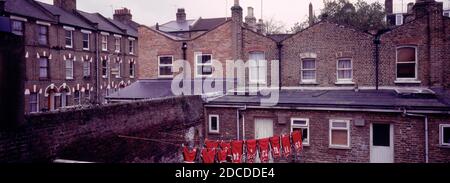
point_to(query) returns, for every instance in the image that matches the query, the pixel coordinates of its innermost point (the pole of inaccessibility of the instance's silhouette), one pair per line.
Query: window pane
(253, 72)
(214, 123)
(17, 28)
(86, 69)
(347, 74)
(85, 40)
(381, 135)
(308, 64)
(446, 135)
(262, 71)
(206, 59)
(308, 75)
(165, 60)
(339, 137)
(206, 70)
(339, 125)
(43, 68)
(165, 71)
(406, 54)
(344, 64)
(406, 70)
(304, 132)
(298, 122)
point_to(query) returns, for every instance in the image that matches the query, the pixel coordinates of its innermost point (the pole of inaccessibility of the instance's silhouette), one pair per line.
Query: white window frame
(47, 34)
(88, 70)
(416, 62)
(209, 124)
(306, 126)
(117, 43)
(441, 135)
(303, 69)
(399, 19)
(36, 104)
(131, 47)
(119, 70)
(344, 81)
(164, 65)
(132, 68)
(331, 128)
(88, 33)
(196, 55)
(22, 33)
(105, 42)
(71, 69)
(71, 30)
(47, 68)
(105, 75)
(258, 64)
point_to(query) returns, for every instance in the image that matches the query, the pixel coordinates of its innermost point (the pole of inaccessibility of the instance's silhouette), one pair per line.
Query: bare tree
(273, 26)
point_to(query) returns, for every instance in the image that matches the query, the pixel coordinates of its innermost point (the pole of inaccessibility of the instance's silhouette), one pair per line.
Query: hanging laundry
(251, 151)
(211, 144)
(189, 155)
(236, 150)
(286, 142)
(264, 150)
(297, 140)
(222, 155)
(275, 142)
(226, 146)
(208, 155)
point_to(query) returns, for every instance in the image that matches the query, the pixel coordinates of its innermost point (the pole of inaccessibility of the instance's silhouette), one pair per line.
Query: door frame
(391, 134)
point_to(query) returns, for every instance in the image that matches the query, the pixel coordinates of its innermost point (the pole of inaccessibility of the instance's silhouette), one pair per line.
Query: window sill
(344, 83)
(165, 77)
(69, 47)
(214, 133)
(309, 83)
(131, 76)
(444, 146)
(118, 77)
(411, 81)
(70, 79)
(339, 147)
(86, 49)
(104, 77)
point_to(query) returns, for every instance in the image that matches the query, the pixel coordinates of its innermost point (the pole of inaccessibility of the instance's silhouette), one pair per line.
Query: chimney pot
(123, 15)
(181, 15)
(236, 2)
(389, 7)
(68, 5)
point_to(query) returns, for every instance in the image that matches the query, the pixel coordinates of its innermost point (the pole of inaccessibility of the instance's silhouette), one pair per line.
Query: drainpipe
(377, 43)
(184, 48)
(279, 46)
(243, 122)
(237, 124)
(97, 78)
(426, 132)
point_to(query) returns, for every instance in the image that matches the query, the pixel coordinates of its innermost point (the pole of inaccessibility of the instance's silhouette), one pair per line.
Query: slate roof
(66, 17)
(130, 30)
(174, 26)
(150, 89)
(201, 24)
(279, 37)
(27, 8)
(382, 99)
(103, 23)
(207, 24)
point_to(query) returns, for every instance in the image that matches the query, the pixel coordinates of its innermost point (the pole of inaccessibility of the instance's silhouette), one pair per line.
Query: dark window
(87, 95)
(381, 135)
(446, 135)
(105, 68)
(43, 35)
(17, 27)
(86, 41)
(43, 68)
(69, 39)
(165, 66)
(204, 65)
(34, 107)
(406, 63)
(214, 123)
(76, 98)
(131, 46)
(132, 67)
(86, 69)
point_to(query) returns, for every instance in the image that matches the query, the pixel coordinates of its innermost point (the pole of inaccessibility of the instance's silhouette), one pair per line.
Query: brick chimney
(123, 15)
(260, 26)
(236, 18)
(410, 7)
(250, 19)
(68, 5)
(181, 15)
(389, 7)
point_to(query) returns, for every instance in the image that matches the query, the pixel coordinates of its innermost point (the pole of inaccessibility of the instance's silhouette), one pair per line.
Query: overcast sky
(149, 12)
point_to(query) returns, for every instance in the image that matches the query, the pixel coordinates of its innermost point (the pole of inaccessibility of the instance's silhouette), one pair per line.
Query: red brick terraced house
(355, 96)
(73, 58)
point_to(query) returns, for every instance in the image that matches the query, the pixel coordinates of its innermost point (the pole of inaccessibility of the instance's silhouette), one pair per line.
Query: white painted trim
(86, 31)
(68, 28)
(257, 62)
(164, 65)
(131, 38)
(104, 33)
(331, 128)
(416, 64)
(117, 36)
(441, 135)
(12, 17)
(43, 23)
(196, 54)
(308, 81)
(302, 127)
(209, 124)
(71, 38)
(338, 80)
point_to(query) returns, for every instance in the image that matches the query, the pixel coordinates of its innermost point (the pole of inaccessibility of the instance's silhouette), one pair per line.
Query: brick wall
(408, 133)
(329, 42)
(92, 134)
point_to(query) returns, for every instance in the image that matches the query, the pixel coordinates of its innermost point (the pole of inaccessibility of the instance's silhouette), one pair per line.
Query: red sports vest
(236, 150)
(189, 156)
(208, 156)
(286, 141)
(264, 150)
(211, 144)
(297, 140)
(251, 151)
(275, 142)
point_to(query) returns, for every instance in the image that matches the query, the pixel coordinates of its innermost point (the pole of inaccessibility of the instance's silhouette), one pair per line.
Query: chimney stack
(260, 27)
(181, 15)
(236, 12)
(311, 14)
(123, 15)
(389, 7)
(68, 5)
(250, 19)
(410, 7)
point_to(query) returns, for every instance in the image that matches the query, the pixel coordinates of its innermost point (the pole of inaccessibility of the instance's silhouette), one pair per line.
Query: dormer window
(399, 19)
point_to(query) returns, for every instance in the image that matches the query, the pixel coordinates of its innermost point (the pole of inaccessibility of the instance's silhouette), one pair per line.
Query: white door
(263, 128)
(381, 143)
